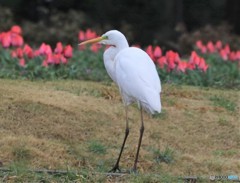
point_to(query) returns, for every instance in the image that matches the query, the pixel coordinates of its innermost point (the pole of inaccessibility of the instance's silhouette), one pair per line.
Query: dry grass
(57, 124)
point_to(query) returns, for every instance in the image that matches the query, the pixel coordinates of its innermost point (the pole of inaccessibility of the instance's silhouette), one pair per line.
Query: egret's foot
(115, 169)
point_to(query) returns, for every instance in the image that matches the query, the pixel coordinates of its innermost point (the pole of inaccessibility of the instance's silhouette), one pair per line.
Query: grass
(79, 126)
(97, 147)
(224, 102)
(21, 153)
(166, 156)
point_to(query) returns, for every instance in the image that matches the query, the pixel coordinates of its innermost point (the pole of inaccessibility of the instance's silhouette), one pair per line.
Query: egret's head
(112, 37)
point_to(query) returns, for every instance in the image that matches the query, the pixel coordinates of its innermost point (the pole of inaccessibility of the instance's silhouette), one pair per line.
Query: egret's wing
(137, 77)
(108, 58)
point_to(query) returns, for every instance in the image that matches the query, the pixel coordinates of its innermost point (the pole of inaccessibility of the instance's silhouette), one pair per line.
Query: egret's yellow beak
(95, 40)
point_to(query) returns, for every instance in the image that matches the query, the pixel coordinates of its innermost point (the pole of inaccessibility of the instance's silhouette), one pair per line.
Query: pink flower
(16, 29)
(27, 50)
(210, 47)
(172, 58)
(42, 49)
(48, 49)
(90, 34)
(63, 59)
(19, 53)
(182, 66)
(6, 40)
(193, 57)
(238, 55)
(227, 49)
(59, 48)
(202, 65)
(50, 59)
(45, 49)
(56, 58)
(36, 53)
(177, 58)
(95, 47)
(14, 54)
(161, 61)
(195, 60)
(199, 44)
(12, 37)
(191, 66)
(68, 51)
(171, 65)
(22, 62)
(201, 47)
(16, 40)
(170, 55)
(232, 56)
(218, 45)
(81, 47)
(81, 36)
(204, 49)
(45, 63)
(149, 51)
(224, 54)
(157, 52)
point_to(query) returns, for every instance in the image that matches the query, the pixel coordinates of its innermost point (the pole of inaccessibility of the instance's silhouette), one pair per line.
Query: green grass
(165, 156)
(229, 152)
(66, 125)
(221, 101)
(97, 147)
(21, 153)
(223, 122)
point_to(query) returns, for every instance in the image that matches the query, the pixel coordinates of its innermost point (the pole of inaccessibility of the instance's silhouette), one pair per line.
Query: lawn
(78, 127)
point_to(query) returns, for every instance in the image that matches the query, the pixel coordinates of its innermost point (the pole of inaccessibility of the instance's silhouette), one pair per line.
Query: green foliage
(97, 147)
(86, 65)
(166, 156)
(221, 74)
(223, 102)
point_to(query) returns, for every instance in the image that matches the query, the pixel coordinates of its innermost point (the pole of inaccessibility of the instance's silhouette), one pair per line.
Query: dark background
(172, 24)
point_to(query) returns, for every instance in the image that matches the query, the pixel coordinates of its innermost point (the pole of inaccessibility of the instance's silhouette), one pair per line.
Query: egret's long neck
(122, 44)
(113, 50)
(110, 54)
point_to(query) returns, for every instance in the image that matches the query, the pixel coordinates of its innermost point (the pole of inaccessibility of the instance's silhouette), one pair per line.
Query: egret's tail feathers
(153, 106)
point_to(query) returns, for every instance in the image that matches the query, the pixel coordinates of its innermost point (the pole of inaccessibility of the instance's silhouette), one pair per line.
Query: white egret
(135, 74)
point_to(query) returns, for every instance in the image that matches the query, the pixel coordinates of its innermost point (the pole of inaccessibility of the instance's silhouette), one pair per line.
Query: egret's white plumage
(135, 74)
(139, 81)
(133, 71)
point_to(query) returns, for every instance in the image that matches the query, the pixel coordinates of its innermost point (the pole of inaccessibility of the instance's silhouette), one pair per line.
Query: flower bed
(208, 65)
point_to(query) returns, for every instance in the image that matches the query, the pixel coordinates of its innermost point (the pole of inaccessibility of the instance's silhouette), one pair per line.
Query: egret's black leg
(140, 141)
(116, 166)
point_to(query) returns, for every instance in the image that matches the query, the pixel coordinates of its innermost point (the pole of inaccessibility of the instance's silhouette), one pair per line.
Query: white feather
(133, 71)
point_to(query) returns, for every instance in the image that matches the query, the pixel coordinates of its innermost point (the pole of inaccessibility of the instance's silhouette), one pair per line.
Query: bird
(135, 74)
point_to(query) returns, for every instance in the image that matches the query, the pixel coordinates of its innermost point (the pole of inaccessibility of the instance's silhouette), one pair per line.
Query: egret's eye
(105, 37)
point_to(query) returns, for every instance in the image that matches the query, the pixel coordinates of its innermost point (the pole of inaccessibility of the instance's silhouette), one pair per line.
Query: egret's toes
(115, 169)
